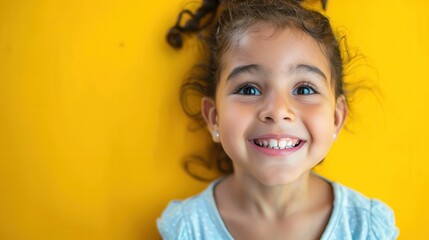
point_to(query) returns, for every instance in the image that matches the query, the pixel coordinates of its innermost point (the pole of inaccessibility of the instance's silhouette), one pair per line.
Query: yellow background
(92, 134)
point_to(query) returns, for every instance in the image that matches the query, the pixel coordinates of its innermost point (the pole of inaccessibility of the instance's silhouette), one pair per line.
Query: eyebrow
(257, 68)
(308, 68)
(243, 69)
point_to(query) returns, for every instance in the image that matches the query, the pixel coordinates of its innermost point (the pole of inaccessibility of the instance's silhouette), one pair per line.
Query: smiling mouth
(282, 143)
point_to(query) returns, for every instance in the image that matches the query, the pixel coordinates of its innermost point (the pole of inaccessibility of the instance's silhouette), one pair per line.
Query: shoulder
(176, 220)
(367, 218)
(172, 223)
(191, 218)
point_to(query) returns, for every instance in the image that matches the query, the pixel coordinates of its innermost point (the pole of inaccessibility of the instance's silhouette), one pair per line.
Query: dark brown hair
(219, 22)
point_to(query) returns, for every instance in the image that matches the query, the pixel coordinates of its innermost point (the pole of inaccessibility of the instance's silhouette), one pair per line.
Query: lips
(281, 143)
(277, 145)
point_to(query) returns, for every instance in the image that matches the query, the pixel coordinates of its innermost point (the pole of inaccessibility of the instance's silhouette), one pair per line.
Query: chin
(279, 179)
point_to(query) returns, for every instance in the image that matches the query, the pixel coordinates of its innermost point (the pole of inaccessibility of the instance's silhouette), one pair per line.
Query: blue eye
(248, 90)
(303, 90)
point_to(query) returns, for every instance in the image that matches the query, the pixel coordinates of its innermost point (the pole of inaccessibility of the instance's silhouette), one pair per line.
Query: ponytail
(174, 36)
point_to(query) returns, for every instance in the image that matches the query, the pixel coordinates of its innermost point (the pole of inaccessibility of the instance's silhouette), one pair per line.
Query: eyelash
(305, 85)
(241, 88)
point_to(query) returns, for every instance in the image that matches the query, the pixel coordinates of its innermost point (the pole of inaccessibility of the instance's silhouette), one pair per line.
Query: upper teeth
(277, 143)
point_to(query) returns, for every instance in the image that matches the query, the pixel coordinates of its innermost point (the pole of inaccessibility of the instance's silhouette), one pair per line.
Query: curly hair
(218, 23)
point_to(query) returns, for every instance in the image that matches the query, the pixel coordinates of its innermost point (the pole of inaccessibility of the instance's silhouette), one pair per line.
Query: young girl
(274, 100)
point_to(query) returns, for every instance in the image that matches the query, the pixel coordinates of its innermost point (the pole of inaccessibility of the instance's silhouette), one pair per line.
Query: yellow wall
(91, 132)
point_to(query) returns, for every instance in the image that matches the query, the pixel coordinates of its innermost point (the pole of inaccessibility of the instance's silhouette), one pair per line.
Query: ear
(209, 112)
(340, 114)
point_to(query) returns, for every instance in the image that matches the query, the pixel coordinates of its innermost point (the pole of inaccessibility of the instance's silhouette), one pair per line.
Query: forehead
(274, 48)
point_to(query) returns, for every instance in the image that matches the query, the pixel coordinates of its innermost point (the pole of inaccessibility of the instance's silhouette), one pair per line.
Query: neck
(271, 202)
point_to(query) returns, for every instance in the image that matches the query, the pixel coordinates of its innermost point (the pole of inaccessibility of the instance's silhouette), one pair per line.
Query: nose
(276, 108)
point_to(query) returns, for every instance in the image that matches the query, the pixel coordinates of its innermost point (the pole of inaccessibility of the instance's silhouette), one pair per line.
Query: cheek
(234, 119)
(319, 121)
(320, 127)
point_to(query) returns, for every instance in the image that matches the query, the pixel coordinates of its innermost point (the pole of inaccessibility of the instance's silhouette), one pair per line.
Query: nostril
(276, 115)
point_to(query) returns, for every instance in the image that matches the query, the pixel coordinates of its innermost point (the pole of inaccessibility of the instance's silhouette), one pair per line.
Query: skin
(286, 88)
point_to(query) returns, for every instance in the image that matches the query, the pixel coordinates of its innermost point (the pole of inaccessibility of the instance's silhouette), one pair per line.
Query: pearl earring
(334, 135)
(216, 134)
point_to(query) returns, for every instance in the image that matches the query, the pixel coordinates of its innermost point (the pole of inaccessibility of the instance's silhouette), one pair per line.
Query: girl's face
(275, 108)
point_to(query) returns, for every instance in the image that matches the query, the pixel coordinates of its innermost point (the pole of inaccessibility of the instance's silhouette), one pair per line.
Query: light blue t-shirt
(354, 216)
